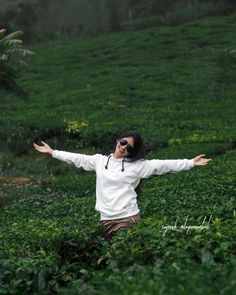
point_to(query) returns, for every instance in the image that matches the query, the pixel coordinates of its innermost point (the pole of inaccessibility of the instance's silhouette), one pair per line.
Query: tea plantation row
(170, 84)
(50, 236)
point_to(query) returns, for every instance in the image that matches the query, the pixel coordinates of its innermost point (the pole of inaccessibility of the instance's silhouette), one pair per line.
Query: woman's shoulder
(100, 156)
(140, 162)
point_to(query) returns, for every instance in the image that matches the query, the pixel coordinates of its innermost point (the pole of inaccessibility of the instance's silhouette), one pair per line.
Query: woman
(118, 176)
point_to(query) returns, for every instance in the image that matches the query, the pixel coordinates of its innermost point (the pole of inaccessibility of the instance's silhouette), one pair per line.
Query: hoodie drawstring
(123, 161)
(107, 162)
(123, 168)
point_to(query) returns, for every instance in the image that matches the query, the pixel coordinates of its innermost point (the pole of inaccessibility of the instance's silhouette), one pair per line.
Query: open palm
(200, 161)
(43, 149)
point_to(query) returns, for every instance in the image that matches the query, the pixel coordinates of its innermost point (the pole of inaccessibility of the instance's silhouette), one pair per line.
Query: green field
(173, 85)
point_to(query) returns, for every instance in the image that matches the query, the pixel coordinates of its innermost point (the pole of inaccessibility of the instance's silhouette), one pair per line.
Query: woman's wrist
(50, 152)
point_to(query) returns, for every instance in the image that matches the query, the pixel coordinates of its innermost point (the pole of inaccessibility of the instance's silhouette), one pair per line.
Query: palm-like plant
(11, 54)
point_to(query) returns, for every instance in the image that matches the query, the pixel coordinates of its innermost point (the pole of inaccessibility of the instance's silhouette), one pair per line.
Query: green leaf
(14, 35)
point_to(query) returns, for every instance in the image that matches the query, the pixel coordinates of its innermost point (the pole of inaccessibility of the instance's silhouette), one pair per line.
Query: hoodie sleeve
(87, 162)
(160, 167)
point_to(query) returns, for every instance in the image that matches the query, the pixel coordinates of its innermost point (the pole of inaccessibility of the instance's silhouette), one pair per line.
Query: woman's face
(121, 150)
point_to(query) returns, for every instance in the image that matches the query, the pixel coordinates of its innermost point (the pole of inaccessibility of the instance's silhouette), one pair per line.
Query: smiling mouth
(121, 150)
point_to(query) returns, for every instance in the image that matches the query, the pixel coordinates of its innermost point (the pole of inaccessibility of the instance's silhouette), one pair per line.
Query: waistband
(123, 218)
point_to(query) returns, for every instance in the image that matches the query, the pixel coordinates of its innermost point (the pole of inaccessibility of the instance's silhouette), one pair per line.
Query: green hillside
(168, 83)
(173, 85)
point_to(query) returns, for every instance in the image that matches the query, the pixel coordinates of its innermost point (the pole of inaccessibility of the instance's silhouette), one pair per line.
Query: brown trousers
(110, 227)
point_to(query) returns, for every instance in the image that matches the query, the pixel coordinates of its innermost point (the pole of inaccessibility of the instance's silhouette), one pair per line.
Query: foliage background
(49, 19)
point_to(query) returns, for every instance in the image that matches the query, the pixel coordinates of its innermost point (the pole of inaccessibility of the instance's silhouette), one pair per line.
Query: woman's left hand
(200, 161)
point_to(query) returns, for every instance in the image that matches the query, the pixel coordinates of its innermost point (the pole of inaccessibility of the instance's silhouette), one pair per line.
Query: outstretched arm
(87, 162)
(160, 167)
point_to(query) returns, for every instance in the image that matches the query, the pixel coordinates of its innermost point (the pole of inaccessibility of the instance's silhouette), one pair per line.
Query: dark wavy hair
(138, 152)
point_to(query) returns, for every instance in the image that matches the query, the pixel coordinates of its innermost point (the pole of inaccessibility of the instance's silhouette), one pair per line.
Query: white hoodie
(117, 179)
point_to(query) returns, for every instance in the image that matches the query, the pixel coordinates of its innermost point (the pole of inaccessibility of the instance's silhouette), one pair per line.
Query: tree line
(48, 19)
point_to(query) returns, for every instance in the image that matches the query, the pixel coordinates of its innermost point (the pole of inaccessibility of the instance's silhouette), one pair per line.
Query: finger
(201, 155)
(209, 160)
(38, 148)
(206, 162)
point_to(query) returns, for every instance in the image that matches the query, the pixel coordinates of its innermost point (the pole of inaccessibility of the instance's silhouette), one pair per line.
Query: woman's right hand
(43, 149)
